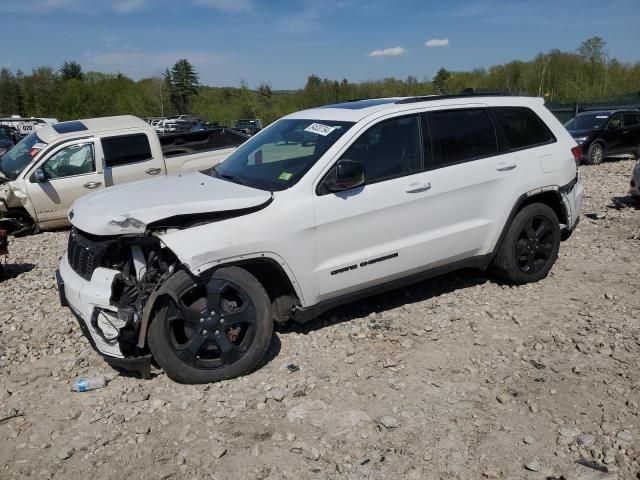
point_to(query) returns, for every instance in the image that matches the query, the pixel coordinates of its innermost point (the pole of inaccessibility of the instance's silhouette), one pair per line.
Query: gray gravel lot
(454, 378)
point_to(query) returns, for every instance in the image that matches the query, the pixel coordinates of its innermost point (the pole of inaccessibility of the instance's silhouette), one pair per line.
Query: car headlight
(581, 140)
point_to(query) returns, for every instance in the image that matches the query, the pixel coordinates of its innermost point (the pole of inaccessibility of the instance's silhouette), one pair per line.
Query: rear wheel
(530, 247)
(595, 155)
(212, 331)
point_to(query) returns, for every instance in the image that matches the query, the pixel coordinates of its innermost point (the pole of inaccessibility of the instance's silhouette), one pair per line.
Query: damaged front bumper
(89, 300)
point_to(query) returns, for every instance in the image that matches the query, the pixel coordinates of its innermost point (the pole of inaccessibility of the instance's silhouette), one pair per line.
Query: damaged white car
(322, 207)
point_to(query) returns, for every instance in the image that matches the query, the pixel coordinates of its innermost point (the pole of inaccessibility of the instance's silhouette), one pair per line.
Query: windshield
(16, 159)
(279, 156)
(591, 121)
(4, 133)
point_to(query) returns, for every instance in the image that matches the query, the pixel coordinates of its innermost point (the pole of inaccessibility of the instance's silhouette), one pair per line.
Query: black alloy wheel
(530, 246)
(534, 245)
(211, 327)
(211, 331)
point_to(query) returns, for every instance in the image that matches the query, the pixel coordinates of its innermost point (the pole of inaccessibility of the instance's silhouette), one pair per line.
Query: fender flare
(165, 289)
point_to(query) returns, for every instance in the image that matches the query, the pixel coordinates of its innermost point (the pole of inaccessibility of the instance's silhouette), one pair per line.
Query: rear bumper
(573, 198)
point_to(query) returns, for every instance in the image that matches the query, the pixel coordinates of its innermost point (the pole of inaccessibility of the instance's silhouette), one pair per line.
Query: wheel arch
(280, 288)
(550, 196)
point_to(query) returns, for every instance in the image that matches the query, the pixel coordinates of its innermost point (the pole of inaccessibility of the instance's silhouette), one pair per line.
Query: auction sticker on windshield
(286, 176)
(320, 129)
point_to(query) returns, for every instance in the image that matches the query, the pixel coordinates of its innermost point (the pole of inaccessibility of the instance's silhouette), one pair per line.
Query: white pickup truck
(51, 168)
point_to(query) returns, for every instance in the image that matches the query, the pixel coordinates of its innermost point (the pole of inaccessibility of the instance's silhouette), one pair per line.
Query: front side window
(615, 122)
(389, 149)
(278, 157)
(463, 135)
(522, 127)
(70, 161)
(126, 149)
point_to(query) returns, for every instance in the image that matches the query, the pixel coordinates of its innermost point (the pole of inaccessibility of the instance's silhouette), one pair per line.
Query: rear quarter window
(522, 128)
(126, 149)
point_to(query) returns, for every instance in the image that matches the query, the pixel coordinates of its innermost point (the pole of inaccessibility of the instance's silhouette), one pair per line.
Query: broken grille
(83, 257)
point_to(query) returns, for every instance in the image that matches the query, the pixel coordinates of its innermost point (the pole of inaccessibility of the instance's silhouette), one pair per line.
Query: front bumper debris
(89, 302)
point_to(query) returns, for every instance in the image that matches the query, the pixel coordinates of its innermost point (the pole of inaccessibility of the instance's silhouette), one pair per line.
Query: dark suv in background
(606, 133)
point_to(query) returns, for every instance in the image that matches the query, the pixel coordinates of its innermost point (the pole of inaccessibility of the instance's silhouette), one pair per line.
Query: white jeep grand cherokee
(322, 207)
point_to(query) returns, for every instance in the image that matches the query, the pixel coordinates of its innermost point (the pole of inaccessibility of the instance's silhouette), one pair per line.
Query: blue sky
(282, 42)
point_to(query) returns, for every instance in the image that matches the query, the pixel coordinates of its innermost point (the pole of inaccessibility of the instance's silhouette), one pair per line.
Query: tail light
(577, 154)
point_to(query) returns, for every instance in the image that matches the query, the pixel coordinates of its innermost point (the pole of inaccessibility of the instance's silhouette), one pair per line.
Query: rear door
(474, 184)
(71, 171)
(128, 158)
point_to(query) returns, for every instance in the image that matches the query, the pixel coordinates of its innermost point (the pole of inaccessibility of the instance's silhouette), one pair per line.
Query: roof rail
(445, 97)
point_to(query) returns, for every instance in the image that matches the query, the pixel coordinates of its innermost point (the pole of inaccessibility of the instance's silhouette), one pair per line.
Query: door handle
(92, 185)
(505, 167)
(417, 187)
(153, 171)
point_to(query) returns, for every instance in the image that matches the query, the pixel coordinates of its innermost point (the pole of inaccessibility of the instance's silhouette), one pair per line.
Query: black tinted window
(126, 149)
(630, 119)
(464, 135)
(389, 149)
(522, 127)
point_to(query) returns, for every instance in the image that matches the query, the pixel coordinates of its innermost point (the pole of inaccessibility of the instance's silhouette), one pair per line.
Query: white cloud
(437, 42)
(229, 6)
(81, 6)
(387, 52)
(126, 6)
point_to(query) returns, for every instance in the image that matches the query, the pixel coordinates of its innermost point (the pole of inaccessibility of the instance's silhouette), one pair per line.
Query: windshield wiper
(232, 178)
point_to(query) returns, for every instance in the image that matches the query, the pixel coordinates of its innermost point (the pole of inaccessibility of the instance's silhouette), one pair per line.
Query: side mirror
(346, 174)
(39, 176)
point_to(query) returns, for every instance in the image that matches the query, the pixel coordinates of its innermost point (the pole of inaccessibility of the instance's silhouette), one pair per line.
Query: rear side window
(463, 135)
(125, 150)
(522, 127)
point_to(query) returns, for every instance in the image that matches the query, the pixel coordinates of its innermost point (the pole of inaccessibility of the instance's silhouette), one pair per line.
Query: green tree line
(587, 74)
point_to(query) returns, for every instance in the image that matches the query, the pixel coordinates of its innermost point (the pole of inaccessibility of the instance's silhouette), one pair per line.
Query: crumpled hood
(129, 208)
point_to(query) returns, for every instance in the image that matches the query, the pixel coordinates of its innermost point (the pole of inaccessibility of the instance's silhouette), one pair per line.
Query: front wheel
(530, 247)
(595, 155)
(211, 331)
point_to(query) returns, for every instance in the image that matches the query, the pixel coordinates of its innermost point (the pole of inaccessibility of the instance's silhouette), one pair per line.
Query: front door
(631, 132)
(370, 234)
(69, 173)
(615, 138)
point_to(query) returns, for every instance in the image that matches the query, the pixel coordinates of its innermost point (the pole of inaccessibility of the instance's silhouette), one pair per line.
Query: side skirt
(303, 315)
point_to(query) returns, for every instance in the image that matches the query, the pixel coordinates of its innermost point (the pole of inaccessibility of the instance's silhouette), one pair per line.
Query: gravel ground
(454, 378)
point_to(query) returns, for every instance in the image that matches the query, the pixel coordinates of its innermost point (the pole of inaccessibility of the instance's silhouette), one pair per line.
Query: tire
(530, 247)
(595, 154)
(212, 331)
